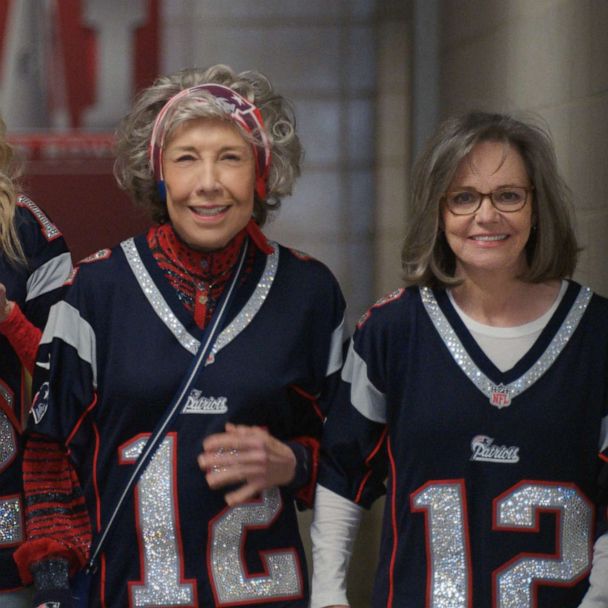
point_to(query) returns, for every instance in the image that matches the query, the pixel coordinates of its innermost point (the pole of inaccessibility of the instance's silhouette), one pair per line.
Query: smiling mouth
(490, 237)
(208, 211)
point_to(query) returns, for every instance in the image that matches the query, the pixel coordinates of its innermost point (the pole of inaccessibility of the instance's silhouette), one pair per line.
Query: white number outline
(418, 504)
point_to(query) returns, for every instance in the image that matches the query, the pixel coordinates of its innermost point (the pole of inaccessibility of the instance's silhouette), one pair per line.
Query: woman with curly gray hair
(210, 520)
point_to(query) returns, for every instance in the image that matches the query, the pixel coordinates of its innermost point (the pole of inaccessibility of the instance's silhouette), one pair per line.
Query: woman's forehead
(489, 158)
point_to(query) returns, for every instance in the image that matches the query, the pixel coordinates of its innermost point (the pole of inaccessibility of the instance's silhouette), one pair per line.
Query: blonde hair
(132, 167)
(10, 245)
(552, 249)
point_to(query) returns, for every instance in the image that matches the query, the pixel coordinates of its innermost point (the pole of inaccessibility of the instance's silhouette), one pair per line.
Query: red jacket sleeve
(23, 336)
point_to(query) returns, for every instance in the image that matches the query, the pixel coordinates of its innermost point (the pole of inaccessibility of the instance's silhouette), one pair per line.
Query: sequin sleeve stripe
(336, 348)
(49, 276)
(370, 457)
(365, 397)
(49, 230)
(56, 513)
(66, 324)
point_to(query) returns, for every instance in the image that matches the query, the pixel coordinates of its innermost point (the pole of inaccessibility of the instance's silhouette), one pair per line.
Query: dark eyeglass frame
(490, 196)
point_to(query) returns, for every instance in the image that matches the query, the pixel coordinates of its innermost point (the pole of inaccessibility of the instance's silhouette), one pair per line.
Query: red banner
(68, 72)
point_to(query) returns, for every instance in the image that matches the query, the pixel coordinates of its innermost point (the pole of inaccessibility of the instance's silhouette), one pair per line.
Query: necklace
(203, 289)
(197, 277)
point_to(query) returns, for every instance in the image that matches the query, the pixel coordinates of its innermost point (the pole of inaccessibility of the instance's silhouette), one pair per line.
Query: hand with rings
(246, 455)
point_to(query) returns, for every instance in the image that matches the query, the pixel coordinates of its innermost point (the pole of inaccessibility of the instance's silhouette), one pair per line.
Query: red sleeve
(23, 336)
(57, 522)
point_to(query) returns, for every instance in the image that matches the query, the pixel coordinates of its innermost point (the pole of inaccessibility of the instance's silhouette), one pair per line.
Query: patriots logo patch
(199, 404)
(41, 404)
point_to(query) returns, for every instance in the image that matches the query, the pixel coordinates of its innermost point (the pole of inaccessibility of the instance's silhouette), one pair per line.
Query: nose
(207, 177)
(486, 212)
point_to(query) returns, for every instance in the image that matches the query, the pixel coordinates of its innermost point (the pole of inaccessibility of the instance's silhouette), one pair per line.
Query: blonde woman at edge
(34, 264)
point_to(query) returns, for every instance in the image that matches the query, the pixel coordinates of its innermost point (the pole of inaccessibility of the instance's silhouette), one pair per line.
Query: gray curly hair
(132, 167)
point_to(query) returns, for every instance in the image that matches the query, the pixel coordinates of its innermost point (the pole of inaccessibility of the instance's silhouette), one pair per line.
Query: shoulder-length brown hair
(552, 249)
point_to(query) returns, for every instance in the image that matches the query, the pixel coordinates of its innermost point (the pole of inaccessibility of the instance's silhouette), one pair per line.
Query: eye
(233, 156)
(184, 157)
(510, 196)
(463, 197)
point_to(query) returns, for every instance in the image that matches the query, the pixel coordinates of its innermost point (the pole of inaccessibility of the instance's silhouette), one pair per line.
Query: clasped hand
(5, 305)
(249, 456)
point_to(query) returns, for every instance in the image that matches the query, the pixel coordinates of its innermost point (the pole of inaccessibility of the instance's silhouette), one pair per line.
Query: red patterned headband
(238, 109)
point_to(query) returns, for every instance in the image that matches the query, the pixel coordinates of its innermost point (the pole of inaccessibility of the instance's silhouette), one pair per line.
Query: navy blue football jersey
(34, 286)
(491, 478)
(118, 347)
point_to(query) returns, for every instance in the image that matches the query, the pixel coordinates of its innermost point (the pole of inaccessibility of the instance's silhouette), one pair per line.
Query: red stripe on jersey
(95, 483)
(314, 402)
(391, 582)
(81, 420)
(368, 460)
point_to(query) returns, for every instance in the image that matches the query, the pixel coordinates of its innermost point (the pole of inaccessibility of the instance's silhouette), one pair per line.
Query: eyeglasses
(508, 199)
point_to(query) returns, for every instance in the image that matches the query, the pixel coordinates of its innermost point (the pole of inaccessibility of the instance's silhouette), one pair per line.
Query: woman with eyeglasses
(476, 397)
(211, 520)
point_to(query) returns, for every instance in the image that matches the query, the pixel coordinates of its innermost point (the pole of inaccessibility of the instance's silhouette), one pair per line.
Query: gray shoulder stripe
(604, 434)
(365, 397)
(51, 275)
(335, 352)
(66, 324)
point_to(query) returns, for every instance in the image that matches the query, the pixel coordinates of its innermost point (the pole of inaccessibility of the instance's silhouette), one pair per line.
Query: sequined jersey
(34, 288)
(119, 346)
(491, 478)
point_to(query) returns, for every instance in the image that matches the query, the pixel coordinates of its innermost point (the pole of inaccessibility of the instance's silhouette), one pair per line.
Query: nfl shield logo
(499, 396)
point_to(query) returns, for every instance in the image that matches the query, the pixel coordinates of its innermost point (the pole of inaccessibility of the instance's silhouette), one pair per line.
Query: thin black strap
(195, 369)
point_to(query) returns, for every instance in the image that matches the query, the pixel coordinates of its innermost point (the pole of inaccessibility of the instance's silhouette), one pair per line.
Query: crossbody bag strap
(194, 370)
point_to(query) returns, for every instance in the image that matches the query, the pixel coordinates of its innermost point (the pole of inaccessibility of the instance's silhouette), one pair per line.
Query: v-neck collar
(163, 298)
(502, 387)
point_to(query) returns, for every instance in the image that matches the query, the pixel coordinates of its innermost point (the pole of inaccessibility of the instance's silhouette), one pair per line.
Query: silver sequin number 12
(444, 506)
(163, 583)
